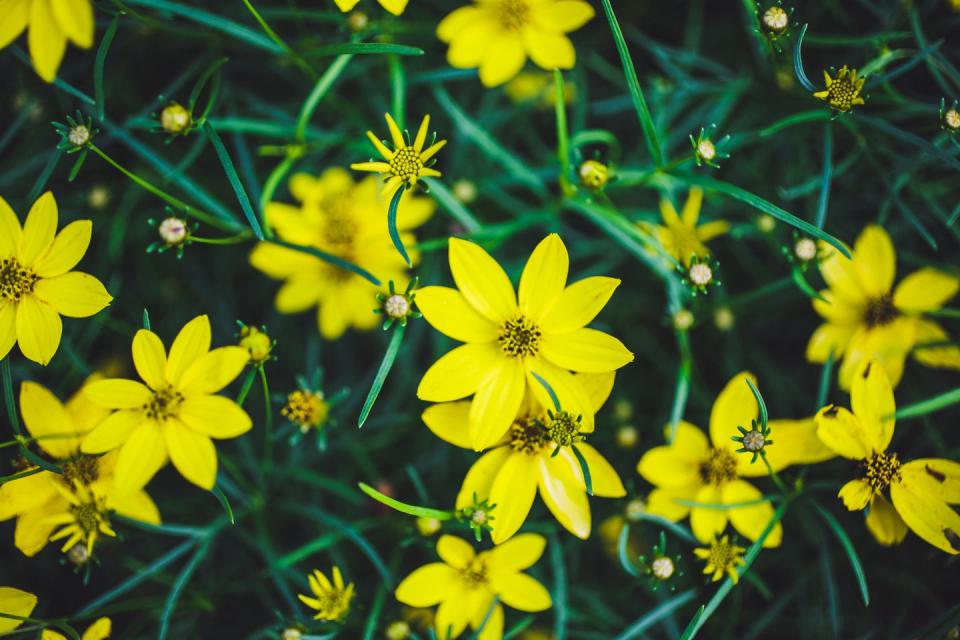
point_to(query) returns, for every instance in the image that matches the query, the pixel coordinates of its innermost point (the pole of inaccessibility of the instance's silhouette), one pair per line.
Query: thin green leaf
(363, 48)
(327, 257)
(848, 547)
(403, 507)
(393, 348)
(827, 175)
(320, 90)
(453, 206)
(234, 179)
(546, 385)
(224, 502)
(213, 21)
(392, 225)
(931, 405)
(559, 589)
(798, 61)
(826, 374)
(801, 281)
(178, 586)
(99, 63)
(623, 553)
(563, 134)
(585, 469)
(654, 616)
(760, 403)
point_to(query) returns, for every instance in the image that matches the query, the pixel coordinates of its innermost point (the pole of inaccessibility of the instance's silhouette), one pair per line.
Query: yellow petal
(450, 421)
(16, 603)
(459, 372)
(467, 49)
(479, 479)
(448, 311)
(871, 398)
(482, 281)
(41, 223)
(113, 432)
(925, 290)
(38, 329)
(426, 586)
(544, 277)
(493, 630)
(518, 553)
(98, 630)
(856, 494)
(512, 492)
(843, 433)
(67, 249)
(563, 16)
(456, 21)
(665, 467)
(604, 478)
(520, 591)
(13, 20)
(840, 275)
(46, 40)
(75, 18)
(137, 506)
(935, 477)
(26, 494)
(928, 332)
(192, 342)
(564, 494)
(794, 442)
(885, 523)
(549, 50)
(301, 292)
(706, 522)
(454, 613)
(280, 262)
(150, 358)
(47, 420)
(496, 403)
(585, 350)
(665, 502)
(579, 304)
(926, 516)
(214, 416)
(74, 294)
(837, 310)
(711, 230)
(395, 7)
(875, 261)
(143, 454)
(455, 551)
(597, 387)
(887, 344)
(34, 527)
(346, 5)
(503, 57)
(829, 339)
(118, 393)
(735, 407)
(398, 140)
(192, 453)
(751, 521)
(214, 370)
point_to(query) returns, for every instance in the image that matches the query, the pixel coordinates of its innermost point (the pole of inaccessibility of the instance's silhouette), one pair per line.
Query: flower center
(719, 468)
(563, 428)
(83, 470)
(306, 409)
(396, 306)
(164, 404)
(406, 164)
(339, 229)
(87, 516)
(513, 14)
(16, 280)
(474, 574)
(519, 337)
(842, 92)
(753, 440)
(881, 469)
(723, 554)
(880, 311)
(527, 435)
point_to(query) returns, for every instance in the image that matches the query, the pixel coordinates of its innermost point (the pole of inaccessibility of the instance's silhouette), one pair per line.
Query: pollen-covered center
(83, 470)
(16, 280)
(880, 311)
(719, 468)
(881, 469)
(527, 435)
(164, 404)
(563, 428)
(842, 92)
(406, 164)
(339, 227)
(513, 14)
(519, 337)
(474, 573)
(724, 554)
(87, 516)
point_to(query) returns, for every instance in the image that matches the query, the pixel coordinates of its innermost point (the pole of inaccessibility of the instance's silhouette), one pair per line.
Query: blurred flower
(99, 630)
(395, 7)
(498, 35)
(17, 603)
(175, 414)
(406, 163)
(331, 599)
(842, 92)
(466, 585)
(465, 191)
(398, 630)
(427, 526)
(51, 23)
(507, 343)
(867, 318)
(921, 490)
(680, 236)
(683, 319)
(37, 285)
(344, 219)
(722, 557)
(538, 87)
(724, 319)
(257, 343)
(627, 436)
(536, 453)
(594, 175)
(175, 119)
(306, 409)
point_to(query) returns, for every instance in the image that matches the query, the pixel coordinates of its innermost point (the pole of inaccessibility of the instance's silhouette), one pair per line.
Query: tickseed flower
(407, 162)
(17, 603)
(37, 285)
(722, 557)
(100, 629)
(627, 436)
(306, 409)
(466, 583)
(867, 317)
(395, 7)
(921, 490)
(331, 599)
(498, 35)
(257, 343)
(344, 219)
(594, 174)
(679, 235)
(85, 519)
(45, 500)
(508, 342)
(175, 414)
(843, 92)
(51, 24)
(535, 454)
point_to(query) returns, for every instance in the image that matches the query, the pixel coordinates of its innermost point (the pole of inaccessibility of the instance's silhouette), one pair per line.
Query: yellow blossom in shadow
(331, 599)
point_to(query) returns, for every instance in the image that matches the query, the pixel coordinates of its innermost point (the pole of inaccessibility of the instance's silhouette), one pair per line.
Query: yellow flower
(257, 343)
(679, 235)
(332, 599)
(498, 35)
(921, 490)
(507, 342)
(37, 285)
(17, 603)
(51, 23)
(175, 414)
(691, 470)
(306, 409)
(465, 585)
(723, 557)
(867, 318)
(842, 92)
(407, 163)
(395, 7)
(99, 630)
(345, 219)
(40, 501)
(510, 474)
(538, 87)
(84, 519)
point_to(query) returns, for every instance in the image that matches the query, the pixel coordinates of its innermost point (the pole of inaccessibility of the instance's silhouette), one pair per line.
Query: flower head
(397, 306)
(257, 343)
(679, 235)
(866, 317)
(306, 409)
(843, 92)
(84, 520)
(407, 163)
(466, 584)
(722, 557)
(175, 119)
(174, 413)
(498, 35)
(51, 24)
(37, 284)
(395, 7)
(511, 340)
(331, 599)
(921, 491)
(775, 20)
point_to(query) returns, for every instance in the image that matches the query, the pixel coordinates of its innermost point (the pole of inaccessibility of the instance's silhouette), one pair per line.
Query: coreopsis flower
(866, 317)
(921, 491)
(307, 409)
(174, 413)
(843, 92)
(407, 163)
(395, 7)
(693, 470)
(679, 234)
(331, 599)
(344, 219)
(535, 454)
(509, 342)
(466, 583)
(84, 495)
(498, 35)
(37, 285)
(257, 342)
(51, 23)
(100, 629)
(722, 557)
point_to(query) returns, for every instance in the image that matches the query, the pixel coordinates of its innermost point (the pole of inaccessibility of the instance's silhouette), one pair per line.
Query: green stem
(319, 91)
(8, 396)
(563, 134)
(237, 239)
(268, 420)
